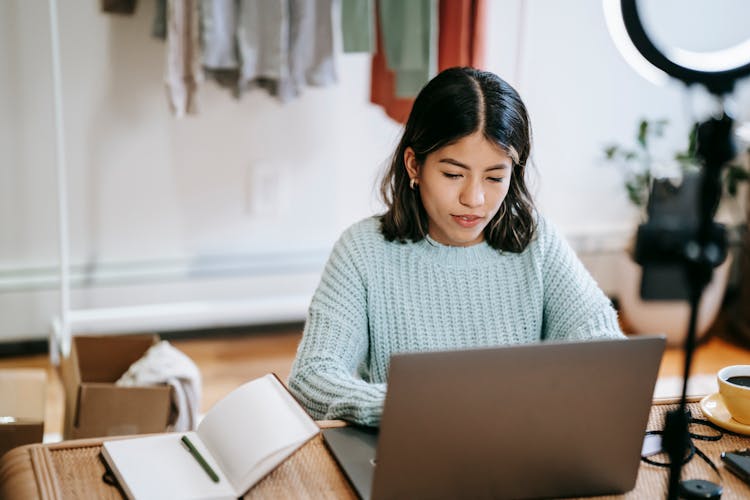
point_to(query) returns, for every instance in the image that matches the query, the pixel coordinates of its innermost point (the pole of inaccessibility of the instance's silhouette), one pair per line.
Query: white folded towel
(164, 364)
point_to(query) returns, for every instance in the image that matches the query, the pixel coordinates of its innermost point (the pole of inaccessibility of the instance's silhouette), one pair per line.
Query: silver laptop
(529, 421)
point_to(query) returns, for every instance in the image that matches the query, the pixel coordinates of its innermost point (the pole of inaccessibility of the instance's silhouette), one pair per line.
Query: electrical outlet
(265, 194)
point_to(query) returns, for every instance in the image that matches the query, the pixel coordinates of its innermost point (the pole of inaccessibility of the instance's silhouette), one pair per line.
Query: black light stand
(697, 247)
(716, 148)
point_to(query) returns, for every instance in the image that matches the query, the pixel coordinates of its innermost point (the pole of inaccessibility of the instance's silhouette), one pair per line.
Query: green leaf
(735, 174)
(693, 141)
(610, 151)
(634, 194)
(732, 187)
(642, 133)
(643, 179)
(685, 160)
(738, 172)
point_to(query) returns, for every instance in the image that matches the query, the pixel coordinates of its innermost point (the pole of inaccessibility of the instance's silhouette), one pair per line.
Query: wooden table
(72, 470)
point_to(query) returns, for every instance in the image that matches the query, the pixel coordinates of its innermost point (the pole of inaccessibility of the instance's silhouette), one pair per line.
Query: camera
(669, 241)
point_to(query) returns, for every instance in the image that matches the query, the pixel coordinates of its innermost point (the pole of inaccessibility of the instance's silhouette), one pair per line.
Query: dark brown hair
(455, 104)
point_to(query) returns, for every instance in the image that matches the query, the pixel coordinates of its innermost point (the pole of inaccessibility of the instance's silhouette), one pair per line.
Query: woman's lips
(467, 220)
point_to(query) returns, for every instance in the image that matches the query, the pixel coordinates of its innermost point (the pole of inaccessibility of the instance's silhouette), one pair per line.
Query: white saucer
(715, 411)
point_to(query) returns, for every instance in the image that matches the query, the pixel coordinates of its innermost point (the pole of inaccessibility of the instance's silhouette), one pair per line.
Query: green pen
(202, 461)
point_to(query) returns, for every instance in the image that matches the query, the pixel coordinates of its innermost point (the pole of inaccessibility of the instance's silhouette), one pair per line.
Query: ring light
(716, 70)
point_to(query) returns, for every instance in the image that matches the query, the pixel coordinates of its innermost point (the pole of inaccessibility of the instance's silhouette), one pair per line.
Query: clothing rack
(59, 341)
(151, 317)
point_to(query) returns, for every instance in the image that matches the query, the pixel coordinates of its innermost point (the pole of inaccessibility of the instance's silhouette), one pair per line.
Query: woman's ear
(410, 161)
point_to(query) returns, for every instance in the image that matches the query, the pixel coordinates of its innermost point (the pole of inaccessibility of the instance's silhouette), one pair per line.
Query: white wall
(245, 199)
(161, 209)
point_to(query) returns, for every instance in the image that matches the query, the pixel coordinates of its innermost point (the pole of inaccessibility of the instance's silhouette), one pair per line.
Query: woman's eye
(451, 176)
(496, 179)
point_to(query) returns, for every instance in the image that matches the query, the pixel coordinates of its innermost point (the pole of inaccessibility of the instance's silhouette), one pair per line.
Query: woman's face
(462, 186)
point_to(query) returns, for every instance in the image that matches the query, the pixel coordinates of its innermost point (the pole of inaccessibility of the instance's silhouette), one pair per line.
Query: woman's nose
(472, 195)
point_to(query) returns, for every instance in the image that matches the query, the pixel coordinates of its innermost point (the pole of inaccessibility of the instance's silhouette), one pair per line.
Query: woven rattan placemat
(76, 472)
(73, 470)
(652, 480)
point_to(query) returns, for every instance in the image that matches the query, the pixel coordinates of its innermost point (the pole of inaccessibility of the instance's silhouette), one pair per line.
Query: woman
(459, 260)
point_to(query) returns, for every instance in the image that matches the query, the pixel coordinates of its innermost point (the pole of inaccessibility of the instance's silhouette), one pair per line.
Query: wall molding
(135, 272)
(591, 241)
(212, 291)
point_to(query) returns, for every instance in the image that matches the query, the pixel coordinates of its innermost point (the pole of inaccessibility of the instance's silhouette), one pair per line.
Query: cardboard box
(23, 392)
(94, 405)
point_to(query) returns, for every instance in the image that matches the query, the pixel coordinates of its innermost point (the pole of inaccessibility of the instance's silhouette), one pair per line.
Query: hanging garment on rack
(263, 41)
(220, 58)
(410, 31)
(311, 57)
(279, 45)
(218, 34)
(183, 73)
(462, 33)
(118, 6)
(406, 54)
(461, 42)
(358, 25)
(383, 83)
(159, 24)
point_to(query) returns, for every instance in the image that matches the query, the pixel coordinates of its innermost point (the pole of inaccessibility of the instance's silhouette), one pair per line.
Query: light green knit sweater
(377, 298)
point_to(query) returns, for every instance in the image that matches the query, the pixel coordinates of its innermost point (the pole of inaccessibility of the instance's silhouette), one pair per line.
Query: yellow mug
(734, 387)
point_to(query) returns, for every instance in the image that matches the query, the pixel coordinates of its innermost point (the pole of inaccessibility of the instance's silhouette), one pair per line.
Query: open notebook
(242, 438)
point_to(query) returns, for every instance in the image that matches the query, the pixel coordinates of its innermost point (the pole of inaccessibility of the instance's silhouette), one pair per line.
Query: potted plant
(640, 165)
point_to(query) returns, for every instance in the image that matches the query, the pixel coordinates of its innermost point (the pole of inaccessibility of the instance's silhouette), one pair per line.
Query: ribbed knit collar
(471, 256)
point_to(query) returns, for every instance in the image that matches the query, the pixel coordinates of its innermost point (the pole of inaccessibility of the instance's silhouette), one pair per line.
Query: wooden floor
(228, 361)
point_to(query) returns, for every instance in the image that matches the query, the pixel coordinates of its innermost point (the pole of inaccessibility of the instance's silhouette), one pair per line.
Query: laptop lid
(527, 421)
(354, 450)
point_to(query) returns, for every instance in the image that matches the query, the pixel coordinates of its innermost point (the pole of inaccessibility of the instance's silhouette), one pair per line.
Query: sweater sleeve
(575, 308)
(335, 344)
